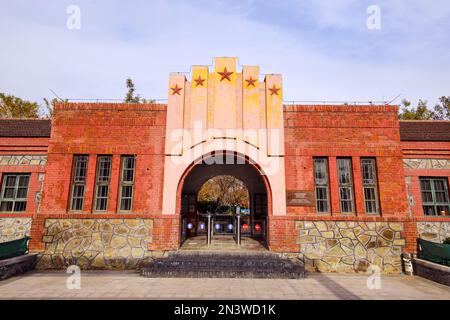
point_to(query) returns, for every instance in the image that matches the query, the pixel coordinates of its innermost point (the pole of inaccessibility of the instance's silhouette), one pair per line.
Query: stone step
(229, 262)
(254, 274)
(224, 265)
(223, 254)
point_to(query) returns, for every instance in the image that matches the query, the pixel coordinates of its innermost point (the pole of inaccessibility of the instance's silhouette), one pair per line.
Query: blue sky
(323, 49)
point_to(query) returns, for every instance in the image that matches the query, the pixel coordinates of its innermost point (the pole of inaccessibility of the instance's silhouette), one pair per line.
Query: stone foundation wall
(96, 243)
(434, 231)
(14, 228)
(335, 246)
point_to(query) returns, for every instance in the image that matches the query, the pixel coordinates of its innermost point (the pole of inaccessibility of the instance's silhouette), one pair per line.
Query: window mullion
(433, 196)
(2, 195)
(16, 190)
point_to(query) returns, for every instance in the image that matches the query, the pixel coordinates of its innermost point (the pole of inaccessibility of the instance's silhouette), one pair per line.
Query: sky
(324, 49)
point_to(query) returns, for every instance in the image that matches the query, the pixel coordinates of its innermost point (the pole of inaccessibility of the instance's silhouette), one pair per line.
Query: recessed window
(345, 185)
(322, 185)
(435, 199)
(127, 183)
(13, 197)
(102, 183)
(370, 188)
(79, 173)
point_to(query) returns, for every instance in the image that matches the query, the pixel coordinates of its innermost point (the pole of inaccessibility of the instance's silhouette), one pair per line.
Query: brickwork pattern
(345, 131)
(106, 129)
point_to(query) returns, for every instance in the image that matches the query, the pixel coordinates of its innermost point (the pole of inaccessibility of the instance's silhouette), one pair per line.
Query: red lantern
(257, 227)
(245, 227)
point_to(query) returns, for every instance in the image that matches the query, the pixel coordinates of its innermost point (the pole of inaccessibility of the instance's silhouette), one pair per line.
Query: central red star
(199, 81)
(250, 82)
(176, 90)
(274, 90)
(225, 74)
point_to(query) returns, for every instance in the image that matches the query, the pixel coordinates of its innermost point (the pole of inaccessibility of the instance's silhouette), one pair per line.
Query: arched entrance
(252, 225)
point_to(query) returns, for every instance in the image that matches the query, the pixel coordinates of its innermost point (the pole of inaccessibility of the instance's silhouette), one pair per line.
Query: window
(369, 180)
(102, 183)
(435, 196)
(79, 174)
(345, 185)
(13, 196)
(127, 183)
(322, 185)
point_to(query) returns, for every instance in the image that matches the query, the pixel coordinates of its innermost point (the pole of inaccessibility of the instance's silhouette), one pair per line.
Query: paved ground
(129, 285)
(223, 243)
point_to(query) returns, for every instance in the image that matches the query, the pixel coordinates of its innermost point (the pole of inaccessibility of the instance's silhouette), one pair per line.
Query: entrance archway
(253, 219)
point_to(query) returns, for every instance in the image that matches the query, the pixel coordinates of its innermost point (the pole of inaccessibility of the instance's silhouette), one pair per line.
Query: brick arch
(271, 168)
(247, 160)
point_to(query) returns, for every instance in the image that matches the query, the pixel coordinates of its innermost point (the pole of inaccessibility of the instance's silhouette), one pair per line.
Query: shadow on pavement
(335, 288)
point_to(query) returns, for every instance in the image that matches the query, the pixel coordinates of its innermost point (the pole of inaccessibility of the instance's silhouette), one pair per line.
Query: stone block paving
(129, 285)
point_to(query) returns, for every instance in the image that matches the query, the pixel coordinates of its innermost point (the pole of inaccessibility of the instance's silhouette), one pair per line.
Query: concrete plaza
(129, 285)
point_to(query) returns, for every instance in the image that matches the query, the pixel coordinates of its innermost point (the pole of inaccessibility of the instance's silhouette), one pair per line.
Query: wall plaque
(296, 198)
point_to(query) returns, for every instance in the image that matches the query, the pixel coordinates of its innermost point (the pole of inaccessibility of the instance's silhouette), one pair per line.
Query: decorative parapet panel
(432, 164)
(23, 160)
(96, 243)
(339, 246)
(14, 228)
(434, 231)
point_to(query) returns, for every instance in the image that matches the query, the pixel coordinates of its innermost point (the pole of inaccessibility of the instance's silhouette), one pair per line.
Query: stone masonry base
(342, 246)
(97, 243)
(127, 243)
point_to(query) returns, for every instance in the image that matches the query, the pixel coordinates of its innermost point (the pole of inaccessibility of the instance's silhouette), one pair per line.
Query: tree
(442, 110)
(130, 97)
(14, 107)
(225, 190)
(49, 106)
(421, 112)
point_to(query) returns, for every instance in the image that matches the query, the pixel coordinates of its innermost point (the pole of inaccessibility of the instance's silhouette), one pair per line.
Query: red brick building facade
(354, 178)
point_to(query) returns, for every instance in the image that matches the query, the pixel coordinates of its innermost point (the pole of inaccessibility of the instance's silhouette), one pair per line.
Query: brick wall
(310, 131)
(424, 159)
(345, 131)
(333, 132)
(106, 129)
(24, 155)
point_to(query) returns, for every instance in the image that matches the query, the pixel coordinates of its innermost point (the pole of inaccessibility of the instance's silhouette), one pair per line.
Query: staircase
(224, 265)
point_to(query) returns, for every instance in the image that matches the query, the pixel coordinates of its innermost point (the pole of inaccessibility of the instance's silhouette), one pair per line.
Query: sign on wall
(298, 198)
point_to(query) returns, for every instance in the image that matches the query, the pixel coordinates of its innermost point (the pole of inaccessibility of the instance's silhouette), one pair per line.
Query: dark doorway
(224, 188)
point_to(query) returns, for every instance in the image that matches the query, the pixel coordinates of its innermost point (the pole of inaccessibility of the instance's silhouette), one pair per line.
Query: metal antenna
(54, 93)
(398, 96)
